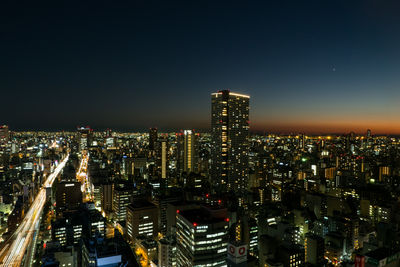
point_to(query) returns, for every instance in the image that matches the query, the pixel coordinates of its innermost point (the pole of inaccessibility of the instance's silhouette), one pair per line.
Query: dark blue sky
(313, 66)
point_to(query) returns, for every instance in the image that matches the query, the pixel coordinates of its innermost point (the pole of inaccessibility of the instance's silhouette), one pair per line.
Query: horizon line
(202, 130)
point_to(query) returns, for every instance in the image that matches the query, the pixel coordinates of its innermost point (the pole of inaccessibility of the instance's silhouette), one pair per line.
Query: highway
(17, 245)
(82, 176)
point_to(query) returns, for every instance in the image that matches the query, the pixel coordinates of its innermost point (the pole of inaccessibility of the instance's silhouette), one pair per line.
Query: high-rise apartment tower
(229, 134)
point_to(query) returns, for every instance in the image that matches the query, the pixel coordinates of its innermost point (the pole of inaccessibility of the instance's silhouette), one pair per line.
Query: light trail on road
(14, 250)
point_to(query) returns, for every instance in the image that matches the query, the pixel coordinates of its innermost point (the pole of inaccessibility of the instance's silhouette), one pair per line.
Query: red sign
(359, 261)
(237, 251)
(232, 250)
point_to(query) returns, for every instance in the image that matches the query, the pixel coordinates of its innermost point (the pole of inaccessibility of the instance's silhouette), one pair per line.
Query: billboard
(237, 253)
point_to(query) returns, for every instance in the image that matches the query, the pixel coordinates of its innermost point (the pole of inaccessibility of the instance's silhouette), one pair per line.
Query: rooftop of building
(203, 216)
(141, 204)
(104, 247)
(168, 240)
(230, 93)
(381, 253)
(273, 263)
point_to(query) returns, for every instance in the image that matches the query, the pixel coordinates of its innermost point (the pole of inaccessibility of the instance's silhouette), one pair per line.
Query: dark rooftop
(141, 203)
(201, 215)
(380, 253)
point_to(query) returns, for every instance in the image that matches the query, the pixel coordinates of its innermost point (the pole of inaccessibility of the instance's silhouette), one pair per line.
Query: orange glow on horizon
(378, 127)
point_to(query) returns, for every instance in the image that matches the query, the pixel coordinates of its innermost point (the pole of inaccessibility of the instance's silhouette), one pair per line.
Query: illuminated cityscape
(200, 134)
(108, 198)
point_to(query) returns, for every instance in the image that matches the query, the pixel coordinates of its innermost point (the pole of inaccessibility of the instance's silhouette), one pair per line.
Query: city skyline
(200, 133)
(293, 128)
(313, 68)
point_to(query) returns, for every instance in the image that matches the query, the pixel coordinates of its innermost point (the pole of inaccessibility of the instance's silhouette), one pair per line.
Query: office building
(162, 157)
(166, 214)
(314, 249)
(141, 219)
(68, 196)
(86, 221)
(85, 137)
(67, 230)
(122, 195)
(109, 139)
(202, 237)
(67, 258)
(187, 151)
(93, 222)
(106, 195)
(4, 134)
(229, 144)
(173, 206)
(106, 252)
(167, 252)
(291, 255)
(153, 137)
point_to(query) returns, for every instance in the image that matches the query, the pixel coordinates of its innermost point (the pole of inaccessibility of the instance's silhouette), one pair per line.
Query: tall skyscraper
(109, 138)
(106, 194)
(187, 152)
(302, 141)
(84, 137)
(122, 195)
(369, 139)
(153, 135)
(229, 133)
(4, 134)
(162, 157)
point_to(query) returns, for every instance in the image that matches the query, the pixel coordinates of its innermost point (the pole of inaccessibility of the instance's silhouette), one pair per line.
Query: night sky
(309, 66)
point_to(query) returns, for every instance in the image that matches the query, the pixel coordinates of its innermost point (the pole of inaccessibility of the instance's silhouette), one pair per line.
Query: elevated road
(19, 243)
